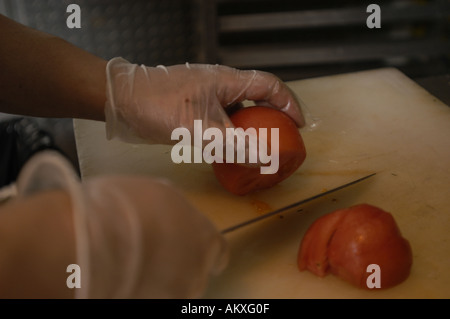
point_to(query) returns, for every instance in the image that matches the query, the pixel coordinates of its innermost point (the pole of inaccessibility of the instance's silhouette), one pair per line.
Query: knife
(290, 206)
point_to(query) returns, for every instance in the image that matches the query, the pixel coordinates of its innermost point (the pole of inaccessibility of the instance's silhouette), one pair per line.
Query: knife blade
(290, 206)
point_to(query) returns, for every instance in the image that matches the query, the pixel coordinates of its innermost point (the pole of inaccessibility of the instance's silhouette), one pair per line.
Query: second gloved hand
(145, 104)
(136, 237)
(145, 240)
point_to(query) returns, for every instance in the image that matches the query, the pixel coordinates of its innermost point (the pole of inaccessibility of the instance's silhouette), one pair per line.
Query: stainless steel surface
(293, 205)
(142, 31)
(292, 39)
(297, 40)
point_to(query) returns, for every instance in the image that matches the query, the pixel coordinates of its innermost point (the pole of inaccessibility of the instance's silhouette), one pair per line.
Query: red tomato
(241, 180)
(346, 241)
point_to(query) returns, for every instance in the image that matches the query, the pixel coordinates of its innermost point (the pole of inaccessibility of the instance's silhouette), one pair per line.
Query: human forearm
(37, 243)
(42, 75)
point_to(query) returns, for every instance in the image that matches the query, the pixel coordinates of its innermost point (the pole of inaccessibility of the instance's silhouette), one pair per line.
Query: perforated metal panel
(149, 32)
(142, 31)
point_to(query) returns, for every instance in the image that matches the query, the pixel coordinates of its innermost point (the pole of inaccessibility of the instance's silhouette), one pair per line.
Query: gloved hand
(136, 237)
(145, 104)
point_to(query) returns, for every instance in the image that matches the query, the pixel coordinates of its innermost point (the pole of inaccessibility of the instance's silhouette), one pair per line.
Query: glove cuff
(107, 230)
(49, 170)
(119, 83)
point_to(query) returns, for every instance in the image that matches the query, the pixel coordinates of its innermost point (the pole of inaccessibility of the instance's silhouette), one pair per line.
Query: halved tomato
(345, 242)
(239, 179)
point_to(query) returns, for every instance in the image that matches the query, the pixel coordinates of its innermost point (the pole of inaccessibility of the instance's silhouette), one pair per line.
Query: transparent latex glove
(145, 104)
(136, 237)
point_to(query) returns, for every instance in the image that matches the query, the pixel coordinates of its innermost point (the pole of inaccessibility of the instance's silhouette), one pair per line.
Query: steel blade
(290, 206)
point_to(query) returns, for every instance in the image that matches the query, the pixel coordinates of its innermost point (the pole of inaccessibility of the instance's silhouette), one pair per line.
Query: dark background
(294, 39)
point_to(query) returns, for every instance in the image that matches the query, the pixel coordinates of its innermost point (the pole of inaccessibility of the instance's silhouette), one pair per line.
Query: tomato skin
(241, 180)
(348, 240)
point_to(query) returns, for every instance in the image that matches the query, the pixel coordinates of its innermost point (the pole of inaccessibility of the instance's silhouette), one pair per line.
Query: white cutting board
(372, 121)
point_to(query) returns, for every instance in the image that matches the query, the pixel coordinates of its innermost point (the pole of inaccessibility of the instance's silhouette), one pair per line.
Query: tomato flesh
(346, 241)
